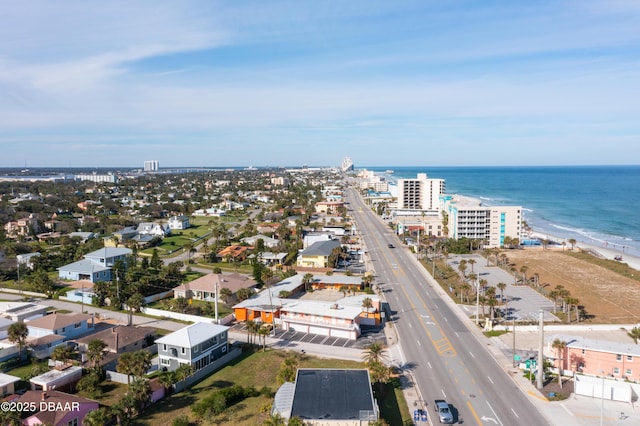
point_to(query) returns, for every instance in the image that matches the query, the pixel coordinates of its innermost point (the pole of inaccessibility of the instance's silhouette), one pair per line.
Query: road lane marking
(419, 344)
(517, 416)
(473, 413)
(472, 355)
(494, 412)
(443, 394)
(490, 380)
(429, 364)
(567, 410)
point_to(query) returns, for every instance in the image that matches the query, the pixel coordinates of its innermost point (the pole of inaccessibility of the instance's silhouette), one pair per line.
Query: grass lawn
(255, 369)
(112, 392)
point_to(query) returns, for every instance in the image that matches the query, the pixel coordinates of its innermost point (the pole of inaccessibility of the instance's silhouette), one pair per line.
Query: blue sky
(285, 83)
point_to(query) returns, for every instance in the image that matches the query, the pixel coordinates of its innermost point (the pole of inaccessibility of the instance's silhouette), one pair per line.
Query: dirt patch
(606, 296)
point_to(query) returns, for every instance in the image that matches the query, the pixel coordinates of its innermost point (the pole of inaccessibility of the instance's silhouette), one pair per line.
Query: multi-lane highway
(446, 360)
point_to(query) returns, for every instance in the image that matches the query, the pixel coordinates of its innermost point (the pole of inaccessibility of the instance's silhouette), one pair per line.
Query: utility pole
(514, 341)
(477, 303)
(539, 382)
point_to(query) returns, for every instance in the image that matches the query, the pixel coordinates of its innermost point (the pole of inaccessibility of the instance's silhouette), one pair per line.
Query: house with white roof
(7, 384)
(96, 266)
(153, 229)
(268, 241)
(198, 345)
(178, 222)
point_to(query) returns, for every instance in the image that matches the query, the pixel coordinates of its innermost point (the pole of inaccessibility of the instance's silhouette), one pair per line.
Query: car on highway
(444, 412)
(391, 245)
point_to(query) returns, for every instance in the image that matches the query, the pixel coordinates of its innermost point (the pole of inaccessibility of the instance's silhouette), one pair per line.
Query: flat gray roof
(332, 394)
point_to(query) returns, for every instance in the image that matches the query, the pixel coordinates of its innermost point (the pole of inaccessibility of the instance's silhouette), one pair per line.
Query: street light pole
(477, 303)
(539, 382)
(514, 341)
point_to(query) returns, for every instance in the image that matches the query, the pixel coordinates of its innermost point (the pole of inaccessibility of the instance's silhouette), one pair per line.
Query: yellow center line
(473, 412)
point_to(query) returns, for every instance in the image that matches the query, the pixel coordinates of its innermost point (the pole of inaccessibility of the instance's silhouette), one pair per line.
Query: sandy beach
(604, 251)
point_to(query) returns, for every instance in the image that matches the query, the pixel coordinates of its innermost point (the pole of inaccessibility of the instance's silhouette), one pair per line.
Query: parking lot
(369, 335)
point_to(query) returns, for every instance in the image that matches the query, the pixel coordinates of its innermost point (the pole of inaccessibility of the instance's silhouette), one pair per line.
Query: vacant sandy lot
(609, 297)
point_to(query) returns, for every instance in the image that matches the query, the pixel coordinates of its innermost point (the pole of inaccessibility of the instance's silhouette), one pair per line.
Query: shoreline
(605, 252)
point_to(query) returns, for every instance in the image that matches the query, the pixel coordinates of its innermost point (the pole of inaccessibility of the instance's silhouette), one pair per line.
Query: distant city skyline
(286, 83)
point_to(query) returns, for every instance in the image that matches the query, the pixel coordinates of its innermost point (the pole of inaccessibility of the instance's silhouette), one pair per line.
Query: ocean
(593, 204)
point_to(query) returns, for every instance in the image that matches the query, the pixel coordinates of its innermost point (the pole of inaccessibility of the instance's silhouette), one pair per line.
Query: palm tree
(307, 279)
(367, 303)
(126, 365)
(184, 371)
(140, 389)
(275, 420)
(167, 379)
(573, 242)
(62, 353)
(18, 333)
(501, 286)
(226, 294)
(374, 353)
(141, 362)
(471, 262)
(97, 417)
(462, 267)
(252, 328)
(344, 290)
(135, 303)
(634, 334)
(559, 345)
(523, 271)
(263, 332)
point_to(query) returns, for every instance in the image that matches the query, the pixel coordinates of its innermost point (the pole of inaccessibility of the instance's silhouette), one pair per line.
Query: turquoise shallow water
(595, 204)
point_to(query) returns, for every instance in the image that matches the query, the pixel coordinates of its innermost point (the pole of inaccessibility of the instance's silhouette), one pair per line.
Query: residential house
(205, 287)
(67, 325)
(80, 291)
(121, 237)
(7, 384)
(268, 241)
(317, 255)
(5, 323)
(42, 347)
(179, 222)
(84, 236)
(233, 253)
(22, 311)
(119, 339)
(597, 357)
(63, 377)
(66, 409)
(27, 259)
(198, 345)
(96, 266)
(153, 229)
(270, 259)
(313, 237)
(328, 207)
(328, 396)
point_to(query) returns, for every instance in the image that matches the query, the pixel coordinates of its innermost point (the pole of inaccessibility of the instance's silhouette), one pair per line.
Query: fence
(185, 317)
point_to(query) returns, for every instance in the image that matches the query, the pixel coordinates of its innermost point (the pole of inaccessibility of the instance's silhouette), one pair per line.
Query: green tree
(90, 384)
(374, 353)
(141, 362)
(62, 353)
(140, 389)
(367, 304)
(634, 333)
(17, 334)
(98, 417)
(135, 303)
(155, 263)
(559, 345)
(288, 370)
(125, 365)
(307, 279)
(184, 371)
(167, 379)
(95, 352)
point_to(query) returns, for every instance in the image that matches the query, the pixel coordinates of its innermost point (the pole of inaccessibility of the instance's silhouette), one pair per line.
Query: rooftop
(332, 394)
(193, 334)
(57, 321)
(608, 346)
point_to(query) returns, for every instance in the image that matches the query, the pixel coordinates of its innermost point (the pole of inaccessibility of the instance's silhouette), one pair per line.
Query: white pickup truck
(444, 412)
